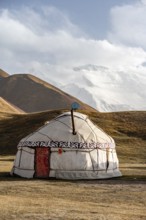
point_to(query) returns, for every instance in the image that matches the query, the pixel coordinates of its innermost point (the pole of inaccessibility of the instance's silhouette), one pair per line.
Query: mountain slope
(8, 107)
(33, 94)
(3, 74)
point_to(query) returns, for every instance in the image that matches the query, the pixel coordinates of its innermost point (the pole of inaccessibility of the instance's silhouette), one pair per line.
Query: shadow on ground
(5, 176)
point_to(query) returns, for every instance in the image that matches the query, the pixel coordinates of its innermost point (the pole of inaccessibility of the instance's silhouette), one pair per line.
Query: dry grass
(115, 199)
(3, 74)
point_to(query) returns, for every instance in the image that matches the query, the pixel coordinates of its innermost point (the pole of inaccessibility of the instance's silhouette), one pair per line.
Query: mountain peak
(90, 67)
(109, 89)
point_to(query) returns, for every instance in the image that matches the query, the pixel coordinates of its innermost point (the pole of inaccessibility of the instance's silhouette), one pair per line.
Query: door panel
(42, 167)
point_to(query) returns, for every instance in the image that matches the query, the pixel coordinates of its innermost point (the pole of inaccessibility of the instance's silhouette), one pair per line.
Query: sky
(49, 38)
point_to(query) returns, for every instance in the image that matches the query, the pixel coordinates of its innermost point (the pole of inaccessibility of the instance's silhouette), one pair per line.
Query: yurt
(70, 146)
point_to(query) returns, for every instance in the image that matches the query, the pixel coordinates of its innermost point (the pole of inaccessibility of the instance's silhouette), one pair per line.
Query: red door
(42, 167)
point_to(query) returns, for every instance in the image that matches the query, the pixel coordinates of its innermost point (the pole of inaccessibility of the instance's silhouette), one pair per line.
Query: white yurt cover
(54, 151)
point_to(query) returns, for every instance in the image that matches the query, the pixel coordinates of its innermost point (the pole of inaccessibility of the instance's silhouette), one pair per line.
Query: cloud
(14, 34)
(48, 44)
(128, 24)
(143, 2)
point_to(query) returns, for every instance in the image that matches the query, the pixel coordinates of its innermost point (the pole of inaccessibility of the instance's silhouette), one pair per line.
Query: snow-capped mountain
(109, 90)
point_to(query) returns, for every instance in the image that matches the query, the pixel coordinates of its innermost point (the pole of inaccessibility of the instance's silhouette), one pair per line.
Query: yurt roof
(76, 114)
(58, 133)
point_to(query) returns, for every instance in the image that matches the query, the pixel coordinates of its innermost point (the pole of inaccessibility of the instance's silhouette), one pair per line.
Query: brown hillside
(33, 94)
(3, 74)
(127, 128)
(8, 107)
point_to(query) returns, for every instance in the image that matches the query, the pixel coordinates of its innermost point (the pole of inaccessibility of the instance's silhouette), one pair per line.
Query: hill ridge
(32, 94)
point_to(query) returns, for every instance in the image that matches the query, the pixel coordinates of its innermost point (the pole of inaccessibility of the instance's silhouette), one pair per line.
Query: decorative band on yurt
(66, 144)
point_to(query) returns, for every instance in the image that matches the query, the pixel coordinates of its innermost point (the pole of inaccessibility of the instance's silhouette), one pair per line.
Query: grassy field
(114, 199)
(121, 198)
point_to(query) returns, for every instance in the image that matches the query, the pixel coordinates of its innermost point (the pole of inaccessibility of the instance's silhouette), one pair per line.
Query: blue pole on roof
(74, 106)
